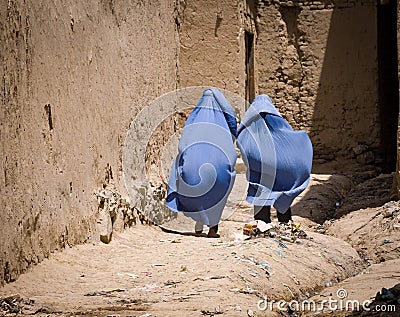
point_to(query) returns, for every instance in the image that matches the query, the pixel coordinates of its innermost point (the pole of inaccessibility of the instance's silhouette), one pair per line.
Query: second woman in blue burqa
(278, 159)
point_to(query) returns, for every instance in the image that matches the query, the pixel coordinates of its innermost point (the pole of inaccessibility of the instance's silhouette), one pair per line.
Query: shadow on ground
(333, 196)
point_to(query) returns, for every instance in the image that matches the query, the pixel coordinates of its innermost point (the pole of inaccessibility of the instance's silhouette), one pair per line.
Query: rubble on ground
(115, 213)
(386, 303)
(15, 304)
(288, 232)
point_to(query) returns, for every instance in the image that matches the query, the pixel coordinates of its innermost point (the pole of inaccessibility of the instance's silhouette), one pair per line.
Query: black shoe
(285, 217)
(212, 232)
(262, 213)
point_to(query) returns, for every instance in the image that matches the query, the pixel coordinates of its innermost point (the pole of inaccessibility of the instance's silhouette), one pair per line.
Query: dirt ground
(146, 271)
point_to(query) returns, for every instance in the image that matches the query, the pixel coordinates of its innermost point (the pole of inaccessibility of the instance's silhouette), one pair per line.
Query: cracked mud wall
(212, 51)
(73, 76)
(318, 60)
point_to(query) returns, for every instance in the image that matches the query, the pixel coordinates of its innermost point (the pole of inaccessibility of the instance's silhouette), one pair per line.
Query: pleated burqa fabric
(278, 158)
(203, 174)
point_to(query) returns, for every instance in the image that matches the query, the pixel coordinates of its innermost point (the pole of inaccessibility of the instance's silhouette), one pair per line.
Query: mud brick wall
(318, 61)
(73, 75)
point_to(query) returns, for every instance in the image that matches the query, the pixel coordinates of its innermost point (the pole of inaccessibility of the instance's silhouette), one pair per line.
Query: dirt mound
(388, 298)
(373, 232)
(368, 194)
(321, 198)
(360, 295)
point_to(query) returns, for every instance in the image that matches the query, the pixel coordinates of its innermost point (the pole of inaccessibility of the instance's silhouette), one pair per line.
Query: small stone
(360, 148)
(389, 204)
(328, 284)
(386, 241)
(366, 158)
(104, 224)
(388, 213)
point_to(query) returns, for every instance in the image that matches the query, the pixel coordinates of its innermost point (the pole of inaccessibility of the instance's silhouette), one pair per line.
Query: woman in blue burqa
(278, 160)
(202, 174)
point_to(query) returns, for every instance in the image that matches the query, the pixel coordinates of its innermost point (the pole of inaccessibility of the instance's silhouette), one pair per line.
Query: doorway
(388, 82)
(249, 62)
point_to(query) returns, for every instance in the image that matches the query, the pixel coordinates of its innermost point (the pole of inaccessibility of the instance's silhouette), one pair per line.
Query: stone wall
(318, 62)
(73, 76)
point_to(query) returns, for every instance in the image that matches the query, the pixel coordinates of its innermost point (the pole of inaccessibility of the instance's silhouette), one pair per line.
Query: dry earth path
(146, 271)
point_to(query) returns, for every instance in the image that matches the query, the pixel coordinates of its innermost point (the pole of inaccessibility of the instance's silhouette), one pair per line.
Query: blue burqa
(202, 175)
(278, 159)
